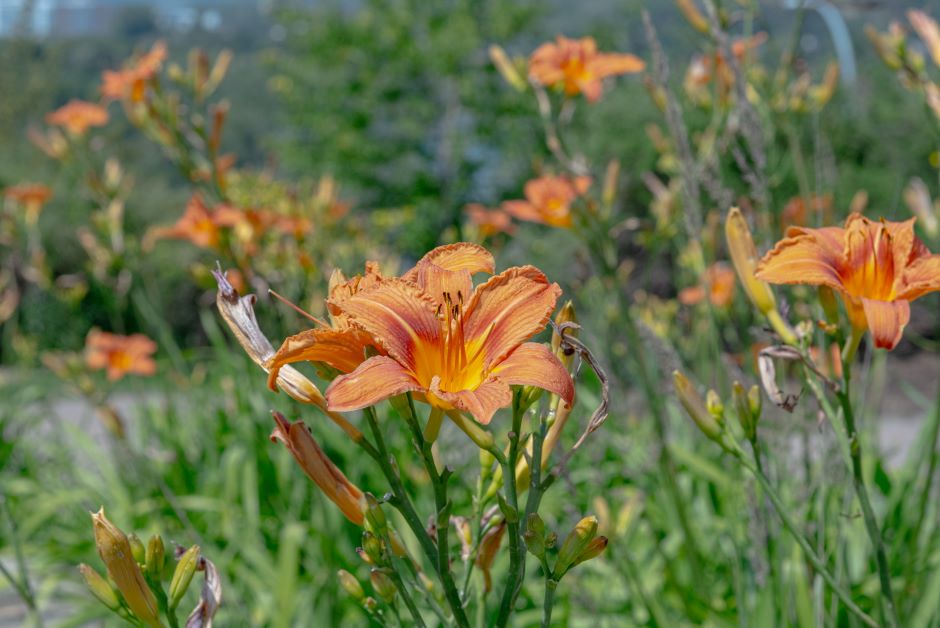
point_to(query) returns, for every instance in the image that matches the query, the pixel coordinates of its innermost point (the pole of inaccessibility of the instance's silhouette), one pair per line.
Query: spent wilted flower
(130, 82)
(548, 200)
(877, 267)
(486, 555)
(115, 550)
(459, 346)
(120, 355)
(717, 285)
(576, 66)
(319, 468)
(77, 116)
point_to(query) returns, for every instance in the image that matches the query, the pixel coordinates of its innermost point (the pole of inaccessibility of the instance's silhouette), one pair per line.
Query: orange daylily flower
(32, 196)
(130, 82)
(489, 222)
(796, 213)
(877, 267)
(77, 116)
(718, 285)
(319, 468)
(338, 344)
(120, 355)
(576, 66)
(197, 224)
(548, 200)
(705, 68)
(459, 346)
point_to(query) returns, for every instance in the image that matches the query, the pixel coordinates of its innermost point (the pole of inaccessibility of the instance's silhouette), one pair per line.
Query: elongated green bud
(383, 585)
(593, 550)
(715, 406)
(375, 517)
(99, 587)
(695, 406)
(575, 543)
(535, 535)
(155, 558)
(372, 546)
(350, 584)
(137, 548)
(183, 575)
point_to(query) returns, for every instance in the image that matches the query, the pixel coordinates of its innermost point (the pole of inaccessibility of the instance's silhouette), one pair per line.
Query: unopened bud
(350, 584)
(695, 406)
(137, 548)
(155, 558)
(755, 401)
(593, 550)
(183, 575)
(830, 306)
(115, 550)
(509, 511)
(372, 546)
(744, 257)
(576, 542)
(383, 585)
(743, 410)
(535, 535)
(507, 69)
(375, 517)
(715, 406)
(99, 587)
(370, 604)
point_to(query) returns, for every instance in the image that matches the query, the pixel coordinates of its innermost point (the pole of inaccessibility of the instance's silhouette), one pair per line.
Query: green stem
(402, 503)
(403, 591)
(794, 531)
(21, 584)
(768, 537)
(871, 524)
(516, 546)
(550, 585)
(931, 471)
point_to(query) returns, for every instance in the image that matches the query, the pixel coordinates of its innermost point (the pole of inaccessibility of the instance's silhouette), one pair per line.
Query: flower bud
(744, 257)
(715, 406)
(743, 410)
(137, 548)
(576, 542)
(370, 604)
(183, 575)
(593, 550)
(99, 587)
(509, 511)
(350, 584)
(507, 69)
(155, 558)
(115, 550)
(535, 535)
(693, 15)
(383, 585)
(318, 467)
(695, 407)
(755, 402)
(830, 306)
(375, 517)
(372, 546)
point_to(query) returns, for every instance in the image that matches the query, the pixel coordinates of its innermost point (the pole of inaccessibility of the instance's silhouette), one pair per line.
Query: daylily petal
(592, 89)
(397, 314)
(482, 403)
(449, 269)
(611, 64)
(534, 364)
(509, 309)
(376, 379)
(803, 258)
(343, 349)
(523, 210)
(921, 277)
(886, 320)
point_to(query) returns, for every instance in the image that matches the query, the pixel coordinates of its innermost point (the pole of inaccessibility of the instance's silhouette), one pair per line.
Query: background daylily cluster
(492, 313)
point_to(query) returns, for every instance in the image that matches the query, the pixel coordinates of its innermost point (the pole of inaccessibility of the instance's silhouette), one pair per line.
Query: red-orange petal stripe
(343, 349)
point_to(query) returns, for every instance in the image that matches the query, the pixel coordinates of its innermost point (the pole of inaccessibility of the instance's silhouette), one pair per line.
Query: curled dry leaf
(210, 598)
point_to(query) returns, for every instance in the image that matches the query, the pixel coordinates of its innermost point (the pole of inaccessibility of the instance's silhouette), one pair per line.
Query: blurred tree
(400, 101)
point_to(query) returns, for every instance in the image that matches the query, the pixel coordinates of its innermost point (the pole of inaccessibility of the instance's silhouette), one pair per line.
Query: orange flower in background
(130, 82)
(576, 66)
(120, 355)
(705, 68)
(796, 214)
(717, 285)
(489, 222)
(877, 267)
(77, 116)
(460, 346)
(548, 200)
(197, 225)
(319, 468)
(32, 196)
